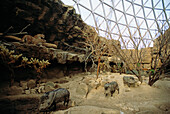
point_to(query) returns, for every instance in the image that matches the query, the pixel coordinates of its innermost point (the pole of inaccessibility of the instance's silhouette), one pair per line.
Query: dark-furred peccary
(110, 88)
(50, 98)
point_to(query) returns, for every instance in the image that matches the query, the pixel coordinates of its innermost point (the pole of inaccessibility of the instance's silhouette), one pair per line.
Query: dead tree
(161, 58)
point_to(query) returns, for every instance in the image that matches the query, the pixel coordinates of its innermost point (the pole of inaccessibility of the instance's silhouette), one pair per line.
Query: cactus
(9, 58)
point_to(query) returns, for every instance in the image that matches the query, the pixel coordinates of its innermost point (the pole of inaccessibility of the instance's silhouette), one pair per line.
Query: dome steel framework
(132, 22)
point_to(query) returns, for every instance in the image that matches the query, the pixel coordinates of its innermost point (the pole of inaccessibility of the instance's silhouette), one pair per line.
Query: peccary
(50, 98)
(129, 81)
(110, 88)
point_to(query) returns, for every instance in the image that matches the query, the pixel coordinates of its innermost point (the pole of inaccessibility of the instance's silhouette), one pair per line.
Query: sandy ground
(143, 99)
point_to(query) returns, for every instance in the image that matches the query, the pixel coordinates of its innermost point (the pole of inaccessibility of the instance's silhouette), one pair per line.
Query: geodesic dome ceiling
(124, 20)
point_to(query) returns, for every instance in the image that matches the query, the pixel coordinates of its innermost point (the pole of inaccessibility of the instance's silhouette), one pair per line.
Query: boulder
(27, 92)
(52, 84)
(41, 89)
(165, 107)
(23, 84)
(31, 84)
(48, 88)
(14, 90)
(129, 81)
(127, 89)
(33, 91)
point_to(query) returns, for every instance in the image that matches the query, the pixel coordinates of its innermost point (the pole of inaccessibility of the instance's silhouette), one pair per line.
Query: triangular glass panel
(108, 2)
(154, 26)
(138, 2)
(166, 3)
(99, 20)
(150, 44)
(99, 10)
(165, 26)
(162, 17)
(157, 34)
(148, 4)
(136, 34)
(140, 13)
(140, 22)
(116, 2)
(111, 15)
(76, 8)
(107, 9)
(103, 26)
(113, 36)
(84, 12)
(127, 5)
(122, 20)
(129, 18)
(130, 10)
(85, 3)
(137, 8)
(147, 11)
(68, 2)
(132, 23)
(143, 32)
(118, 15)
(150, 16)
(158, 4)
(126, 32)
(110, 24)
(153, 33)
(150, 22)
(95, 3)
(122, 27)
(158, 14)
(119, 6)
(101, 33)
(161, 24)
(90, 21)
(115, 30)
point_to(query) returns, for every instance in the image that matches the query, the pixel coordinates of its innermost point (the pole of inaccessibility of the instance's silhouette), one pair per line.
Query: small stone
(52, 84)
(127, 89)
(23, 84)
(88, 73)
(136, 109)
(31, 84)
(27, 92)
(111, 76)
(73, 103)
(164, 107)
(98, 80)
(108, 73)
(41, 89)
(48, 88)
(33, 91)
(138, 83)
